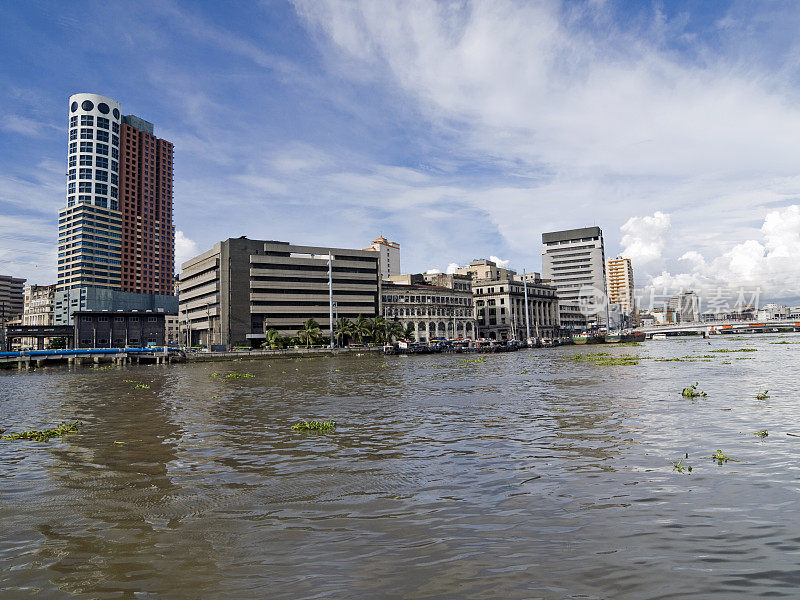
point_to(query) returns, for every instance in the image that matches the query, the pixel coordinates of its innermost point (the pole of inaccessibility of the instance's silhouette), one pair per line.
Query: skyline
(460, 131)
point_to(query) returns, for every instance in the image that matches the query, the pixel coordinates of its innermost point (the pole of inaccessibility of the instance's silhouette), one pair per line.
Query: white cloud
(769, 265)
(452, 268)
(644, 237)
(185, 249)
(596, 121)
(433, 271)
(499, 261)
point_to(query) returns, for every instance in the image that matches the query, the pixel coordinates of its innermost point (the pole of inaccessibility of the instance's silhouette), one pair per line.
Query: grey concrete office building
(574, 262)
(12, 298)
(118, 329)
(236, 291)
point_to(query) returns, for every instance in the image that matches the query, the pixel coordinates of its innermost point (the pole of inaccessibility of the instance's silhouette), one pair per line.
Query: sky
(459, 129)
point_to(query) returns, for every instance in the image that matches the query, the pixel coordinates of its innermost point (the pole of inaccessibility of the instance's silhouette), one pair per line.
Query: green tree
(344, 330)
(409, 334)
(394, 330)
(310, 333)
(378, 329)
(273, 340)
(362, 327)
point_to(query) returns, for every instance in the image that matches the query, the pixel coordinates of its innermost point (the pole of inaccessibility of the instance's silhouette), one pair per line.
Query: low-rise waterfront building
(120, 329)
(432, 311)
(500, 310)
(773, 311)
(98, 299)
(235, 292)
(38, 310)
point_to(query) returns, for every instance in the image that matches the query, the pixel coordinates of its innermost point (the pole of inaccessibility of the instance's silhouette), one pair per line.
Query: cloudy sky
(459, 129)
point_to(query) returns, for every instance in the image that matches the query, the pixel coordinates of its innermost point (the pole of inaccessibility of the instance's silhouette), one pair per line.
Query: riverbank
(281, 353)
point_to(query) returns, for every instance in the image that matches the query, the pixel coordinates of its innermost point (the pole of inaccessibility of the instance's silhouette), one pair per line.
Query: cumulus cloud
(499, 261)
(644, 237)
(432, 271)
(452, 268)
(768, 265)
(185, 249)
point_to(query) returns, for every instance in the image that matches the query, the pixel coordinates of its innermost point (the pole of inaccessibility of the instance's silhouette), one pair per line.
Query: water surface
(529, 475)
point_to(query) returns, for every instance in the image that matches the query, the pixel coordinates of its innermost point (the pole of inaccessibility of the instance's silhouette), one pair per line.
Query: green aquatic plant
(322, 426)
(523, 372)
(141, 386)
(43, 435)
(238, 376)
(762, 434)
(692, 392)
(680, 467)
(626, 344)
(763, 395)
(214, 375)
(720, 457)
(725, 350)
(472, 360)
(618, 361)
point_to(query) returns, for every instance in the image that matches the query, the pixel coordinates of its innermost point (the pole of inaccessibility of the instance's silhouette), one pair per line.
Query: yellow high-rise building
(619, 279)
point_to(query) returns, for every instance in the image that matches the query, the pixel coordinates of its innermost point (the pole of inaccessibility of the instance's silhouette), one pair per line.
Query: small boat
(659, 336)
(586, 337)
(613, 338)
(639, 336)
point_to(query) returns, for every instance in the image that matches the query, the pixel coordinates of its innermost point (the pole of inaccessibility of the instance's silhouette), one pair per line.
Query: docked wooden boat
(613, 338)
(639, 336)
(587, 338)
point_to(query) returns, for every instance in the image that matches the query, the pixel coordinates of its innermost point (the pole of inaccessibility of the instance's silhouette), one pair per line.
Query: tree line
(375, 330)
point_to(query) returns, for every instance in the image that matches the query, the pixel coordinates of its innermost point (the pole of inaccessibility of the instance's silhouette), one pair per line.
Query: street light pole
(330, 294)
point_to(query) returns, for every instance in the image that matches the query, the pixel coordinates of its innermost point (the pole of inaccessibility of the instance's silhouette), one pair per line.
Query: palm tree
(379, 325)
(344, 330)
(273, 340)
(394, 330)
(409, 333)
(361, 327)
(309, 333)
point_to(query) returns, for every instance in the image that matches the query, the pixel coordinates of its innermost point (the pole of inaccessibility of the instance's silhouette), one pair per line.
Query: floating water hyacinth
(44, 435)
(691, 392)
(238, 375)
(141, 386)
(314, 426)
(762, 434)
(763, 395)
(720, 457)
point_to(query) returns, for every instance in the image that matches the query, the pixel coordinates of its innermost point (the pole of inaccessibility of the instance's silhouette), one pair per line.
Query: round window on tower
(74, 106)
(103, 108)
(87, 105)
(116, 113)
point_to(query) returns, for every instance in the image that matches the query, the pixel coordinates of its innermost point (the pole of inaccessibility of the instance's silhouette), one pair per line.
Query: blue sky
(461, 130)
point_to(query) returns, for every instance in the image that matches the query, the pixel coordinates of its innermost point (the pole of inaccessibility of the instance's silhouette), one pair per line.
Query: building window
(114, 178)
(72, 161)
(102, 149)
(85, 187)
(73, 134)
(114, 153)
(102, 122)
(113, 192)
(115, 126)
(85, 173)
(101, 188)
(71, 188)
(86, 160)
(73, 147)
(85, 199)
(101, 175)
(101, 162)
(114, 206)
(71, 175)
(87, 119)
(115, 166)
(86, 319)
(73, 121)
(114, 140)
(103, 108)
(86, 146)
(133, 319)
(86, 134)
(102, 136)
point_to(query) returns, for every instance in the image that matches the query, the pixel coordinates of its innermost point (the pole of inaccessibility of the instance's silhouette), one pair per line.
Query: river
(519, 475)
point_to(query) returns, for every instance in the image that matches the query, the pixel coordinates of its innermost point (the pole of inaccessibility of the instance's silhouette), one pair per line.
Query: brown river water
(519, 475)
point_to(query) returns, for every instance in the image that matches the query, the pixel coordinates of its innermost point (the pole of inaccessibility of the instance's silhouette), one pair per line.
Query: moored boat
(612, 338)
(586, 337)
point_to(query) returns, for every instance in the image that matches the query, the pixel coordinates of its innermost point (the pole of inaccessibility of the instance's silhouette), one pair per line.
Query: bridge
(26, 359)
(720, 327)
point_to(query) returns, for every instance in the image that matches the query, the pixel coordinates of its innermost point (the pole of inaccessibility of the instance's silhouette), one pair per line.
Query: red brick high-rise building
(145, 201)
